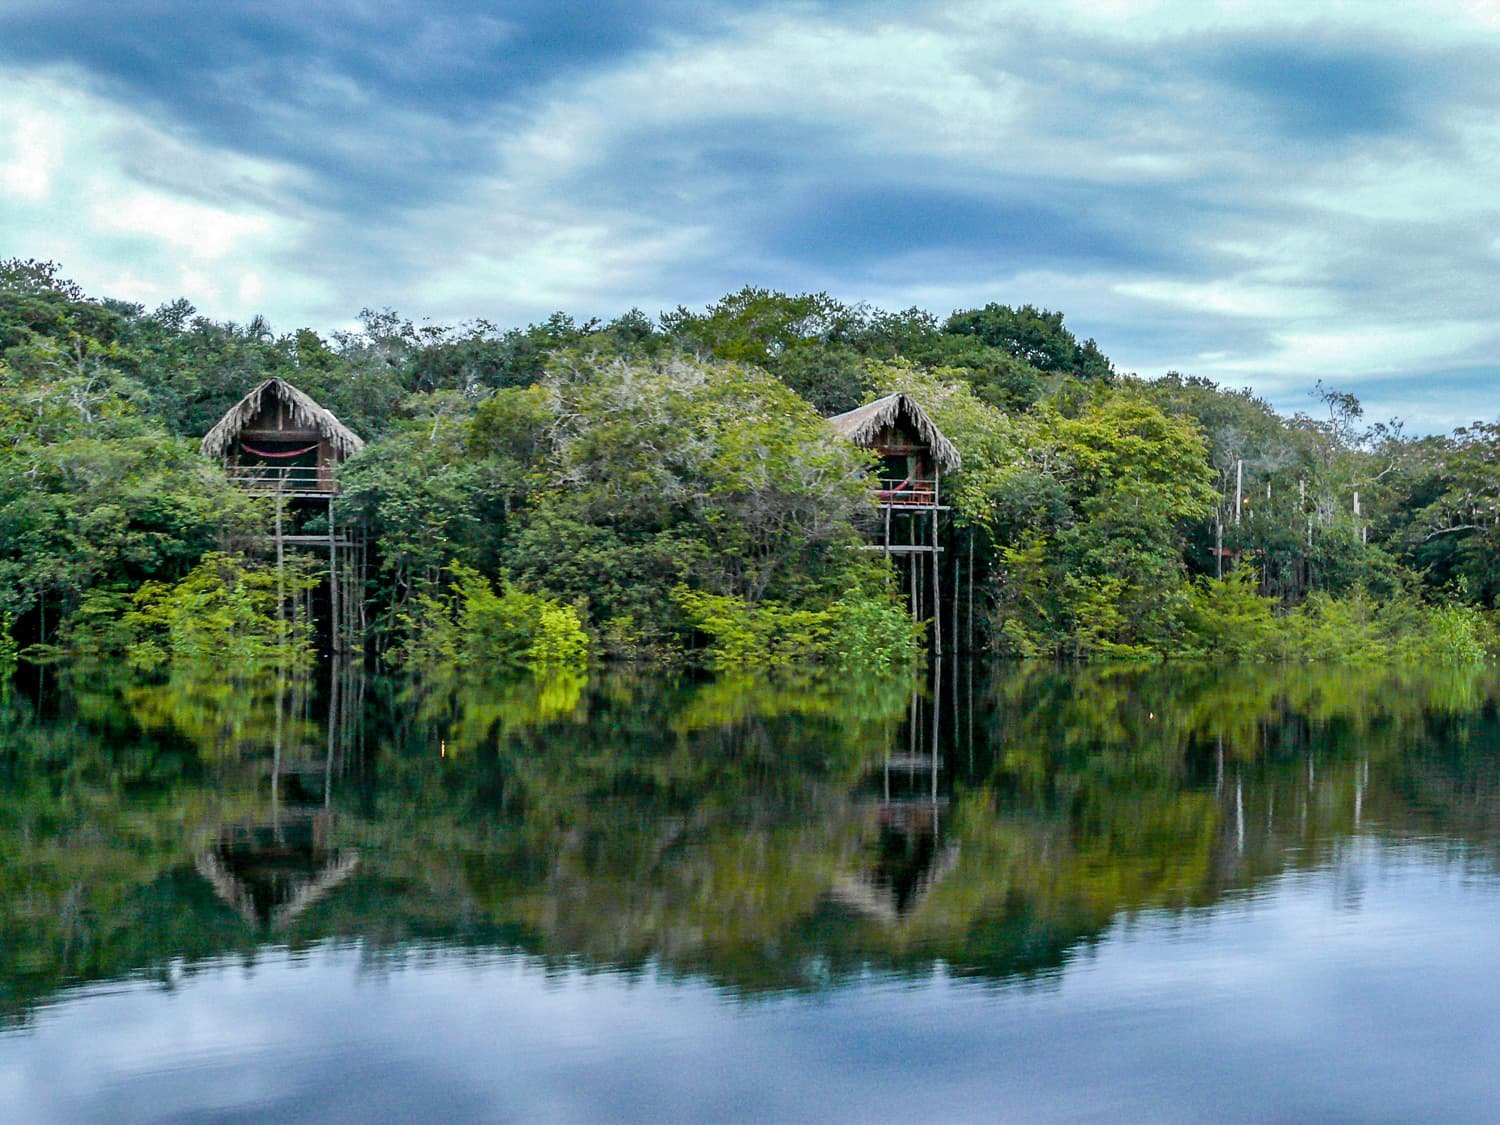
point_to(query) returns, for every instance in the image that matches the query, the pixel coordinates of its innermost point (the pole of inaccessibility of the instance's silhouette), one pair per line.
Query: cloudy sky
(1262, 192)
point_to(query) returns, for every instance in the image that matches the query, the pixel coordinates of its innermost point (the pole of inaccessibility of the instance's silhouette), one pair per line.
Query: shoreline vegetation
(668, 490)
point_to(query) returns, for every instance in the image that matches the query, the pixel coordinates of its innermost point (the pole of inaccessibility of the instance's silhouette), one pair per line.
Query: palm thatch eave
(864, 424)
(303, 410)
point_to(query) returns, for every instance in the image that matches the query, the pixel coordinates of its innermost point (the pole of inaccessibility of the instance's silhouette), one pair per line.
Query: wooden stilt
(971, 590)
(335, 641)
(280, 571)
(953, 611)
(937, 590)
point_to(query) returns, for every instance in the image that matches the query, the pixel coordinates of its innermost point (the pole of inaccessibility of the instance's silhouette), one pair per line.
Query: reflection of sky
(1361, 991)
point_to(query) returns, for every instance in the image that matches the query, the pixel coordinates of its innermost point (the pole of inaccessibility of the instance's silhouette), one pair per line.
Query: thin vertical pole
(953, 617)
(971, 590)
(276, 750)
(918, 577)
(911, 582)
(333, 730)
(937, 580)
(937, 713)
(333, 583)
(1219, 545)
(969, 682)
(280, 571)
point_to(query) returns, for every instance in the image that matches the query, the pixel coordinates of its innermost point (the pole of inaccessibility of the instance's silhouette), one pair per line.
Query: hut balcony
(907, 492)
(289, 480)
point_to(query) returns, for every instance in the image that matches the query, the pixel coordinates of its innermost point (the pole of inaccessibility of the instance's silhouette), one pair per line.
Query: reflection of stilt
(911, 854)
(937, 715)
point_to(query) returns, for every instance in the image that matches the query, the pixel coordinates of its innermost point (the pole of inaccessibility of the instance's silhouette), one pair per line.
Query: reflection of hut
(277, 438)
(910, 855)
(270, 873)
(910, 859)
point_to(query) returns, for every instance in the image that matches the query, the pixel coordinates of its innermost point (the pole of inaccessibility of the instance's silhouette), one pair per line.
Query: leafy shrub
(1227, 618)
(225, 613)
(1450, 634)
(855, 634)
(476, 626)
(745, 636)
(869, 635)
(8, 649)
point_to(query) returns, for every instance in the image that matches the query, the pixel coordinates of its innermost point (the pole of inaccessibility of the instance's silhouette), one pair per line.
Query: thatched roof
(302, 409)
(864, 424)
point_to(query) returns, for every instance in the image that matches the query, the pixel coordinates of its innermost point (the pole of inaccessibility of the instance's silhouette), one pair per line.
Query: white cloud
(1303, 256)
(1366, 350)
(130, 210)
(1446, 20)
(1228, 297)
(30, 157)
(202, 233)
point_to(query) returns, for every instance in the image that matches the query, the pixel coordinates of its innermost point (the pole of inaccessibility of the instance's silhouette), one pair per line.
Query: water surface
(1029, 894)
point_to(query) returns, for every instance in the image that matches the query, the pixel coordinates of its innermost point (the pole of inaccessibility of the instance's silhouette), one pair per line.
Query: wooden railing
(906, 491)
(282, 478)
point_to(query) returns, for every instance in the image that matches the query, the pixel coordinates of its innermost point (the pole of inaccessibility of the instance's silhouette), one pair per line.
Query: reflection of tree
(107, 808)
(93, 823)
(709, 828)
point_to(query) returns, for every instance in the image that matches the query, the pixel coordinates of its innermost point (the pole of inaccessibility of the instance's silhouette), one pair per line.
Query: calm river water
(1030, 894)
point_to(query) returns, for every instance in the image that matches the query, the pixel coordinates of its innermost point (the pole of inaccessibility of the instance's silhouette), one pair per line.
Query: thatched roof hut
(896, 426)
(278, 410)
(277, 437)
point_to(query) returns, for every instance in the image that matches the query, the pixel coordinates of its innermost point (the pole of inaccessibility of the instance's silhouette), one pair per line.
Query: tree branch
(1449, 531)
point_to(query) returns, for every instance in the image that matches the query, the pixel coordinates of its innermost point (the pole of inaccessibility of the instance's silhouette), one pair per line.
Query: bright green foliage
(746, 637)
(94, 494)
(862, 634)
(480, 631)
(712, 476)
(559, 640)
(1357, 629)
(1100, 574)
(85, 512)
(1228, 618)
(9, 650)
(424, 500)
(873, 635)
(1451, 634)
(227, 614)
(604, 465)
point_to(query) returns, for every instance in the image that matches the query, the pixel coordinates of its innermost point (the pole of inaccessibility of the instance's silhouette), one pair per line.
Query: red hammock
(250, 449)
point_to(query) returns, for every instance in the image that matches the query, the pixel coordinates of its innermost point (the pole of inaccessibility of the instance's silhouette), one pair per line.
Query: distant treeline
(669, 482)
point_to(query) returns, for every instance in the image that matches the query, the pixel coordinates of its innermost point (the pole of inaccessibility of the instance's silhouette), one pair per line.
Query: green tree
(1034, 336)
